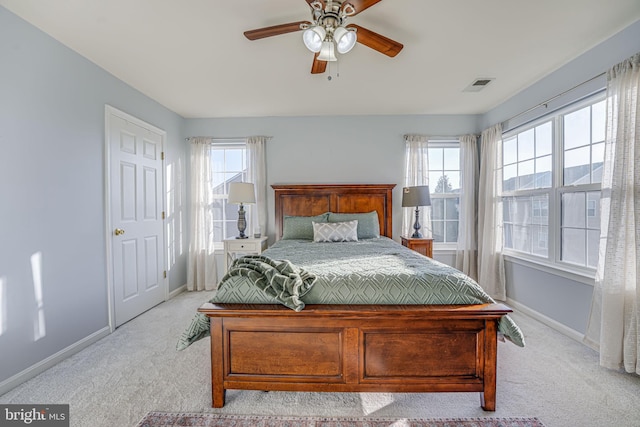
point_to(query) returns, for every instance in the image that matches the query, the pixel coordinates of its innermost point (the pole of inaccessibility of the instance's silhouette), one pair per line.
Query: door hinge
(162, 155)
(165, 274)
(162, 214)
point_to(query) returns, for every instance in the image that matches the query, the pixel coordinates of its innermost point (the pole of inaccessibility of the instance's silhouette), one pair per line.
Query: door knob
(119, 231)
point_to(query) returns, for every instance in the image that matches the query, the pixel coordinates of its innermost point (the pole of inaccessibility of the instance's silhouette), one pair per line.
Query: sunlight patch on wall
(3, 305)
(39, 330)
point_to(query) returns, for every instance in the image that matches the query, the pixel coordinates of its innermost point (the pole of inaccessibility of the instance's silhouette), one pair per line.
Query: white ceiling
(191, 55)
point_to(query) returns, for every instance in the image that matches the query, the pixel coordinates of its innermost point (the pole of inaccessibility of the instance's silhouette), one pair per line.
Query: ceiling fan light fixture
(327, 52)
(345, 39)
(313, 38)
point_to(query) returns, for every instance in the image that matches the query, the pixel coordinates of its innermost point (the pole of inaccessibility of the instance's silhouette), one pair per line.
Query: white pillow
(335, 231)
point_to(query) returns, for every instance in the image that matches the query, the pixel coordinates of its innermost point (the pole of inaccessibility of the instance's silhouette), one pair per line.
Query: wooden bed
(352, 348)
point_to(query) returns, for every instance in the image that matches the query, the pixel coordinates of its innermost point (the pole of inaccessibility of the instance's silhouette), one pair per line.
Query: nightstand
(233, 248)
(423, 246)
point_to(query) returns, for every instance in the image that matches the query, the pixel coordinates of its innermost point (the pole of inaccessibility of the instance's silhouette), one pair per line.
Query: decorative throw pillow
(336, 231)
(368, 224)
(299, 227)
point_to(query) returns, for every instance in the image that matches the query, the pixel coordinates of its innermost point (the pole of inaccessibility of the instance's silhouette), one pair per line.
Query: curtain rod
(544, 103)
(222, 138)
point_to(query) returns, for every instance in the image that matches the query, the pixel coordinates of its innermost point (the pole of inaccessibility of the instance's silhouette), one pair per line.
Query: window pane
(437, 208)
(443, 185)
(543, 172)
(508, 239)
(218, 183)
(597, 159)
(509, 174)
(510, 150)
(520, 238)
(574, 245)
(598, 121)
(451, 208)
(526, 145)
(434, 178)
(453, 180)
(231, 229)
(593, 210)
(539, 240)
(540, 210)
(526, 174)
(438, 231)
(506, 210)
(573, 210)
(451, 231)
(435, 159)
(452, 158)
(543, 139)
(234, 160)
(577, 128)
(593, 244)
(577, 166)
(218, 236)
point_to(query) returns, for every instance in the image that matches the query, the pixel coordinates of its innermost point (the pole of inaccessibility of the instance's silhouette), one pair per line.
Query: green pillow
(368, 225)
(300, 227)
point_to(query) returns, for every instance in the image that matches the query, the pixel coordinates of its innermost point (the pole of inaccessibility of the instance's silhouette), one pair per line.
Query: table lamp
(415, 197)
(240, 193)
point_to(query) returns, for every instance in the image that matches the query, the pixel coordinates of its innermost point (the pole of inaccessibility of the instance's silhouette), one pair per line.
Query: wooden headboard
(316, 199)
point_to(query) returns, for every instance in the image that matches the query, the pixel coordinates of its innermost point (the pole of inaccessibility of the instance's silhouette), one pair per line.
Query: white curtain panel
(614, 318)
(466, 251)
(490, 259)
(416, 172)
(257, 174)
(201, 265)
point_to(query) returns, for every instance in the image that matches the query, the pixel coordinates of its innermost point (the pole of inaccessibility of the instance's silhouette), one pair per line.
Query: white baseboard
(178, 291)
(52, 360)
(553, 324)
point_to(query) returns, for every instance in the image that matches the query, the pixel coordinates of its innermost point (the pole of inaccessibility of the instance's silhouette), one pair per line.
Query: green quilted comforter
(371, 271)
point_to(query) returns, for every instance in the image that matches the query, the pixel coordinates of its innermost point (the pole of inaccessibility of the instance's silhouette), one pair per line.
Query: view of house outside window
(551, 186)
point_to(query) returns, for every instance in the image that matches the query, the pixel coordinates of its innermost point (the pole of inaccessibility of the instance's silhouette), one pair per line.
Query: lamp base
(242, 223)
(416, 226)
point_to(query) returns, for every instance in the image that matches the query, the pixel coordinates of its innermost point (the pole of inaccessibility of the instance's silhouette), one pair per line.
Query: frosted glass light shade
(241, 192)
(327, 53)
(313, 38)
(345, 39)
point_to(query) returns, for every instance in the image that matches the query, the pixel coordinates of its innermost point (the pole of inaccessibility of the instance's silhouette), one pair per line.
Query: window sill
(577, 275)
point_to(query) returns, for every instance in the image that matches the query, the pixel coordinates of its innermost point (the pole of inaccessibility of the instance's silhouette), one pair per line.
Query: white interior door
(136, 176)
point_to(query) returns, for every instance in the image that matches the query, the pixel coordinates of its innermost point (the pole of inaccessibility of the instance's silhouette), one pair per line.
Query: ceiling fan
(327, 31)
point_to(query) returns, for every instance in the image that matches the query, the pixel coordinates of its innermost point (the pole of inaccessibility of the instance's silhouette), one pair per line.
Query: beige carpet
(116, 381)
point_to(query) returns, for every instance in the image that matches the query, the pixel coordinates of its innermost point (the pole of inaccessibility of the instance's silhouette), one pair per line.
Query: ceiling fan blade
(275, 30)
(322, 2)
(318, 67)
(360, 5)
(376, 41)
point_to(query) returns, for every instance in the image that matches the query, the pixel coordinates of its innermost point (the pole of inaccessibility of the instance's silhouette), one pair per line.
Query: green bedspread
(371, 271)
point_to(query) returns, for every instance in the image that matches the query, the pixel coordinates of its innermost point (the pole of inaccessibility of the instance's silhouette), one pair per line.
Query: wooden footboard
(355, 348)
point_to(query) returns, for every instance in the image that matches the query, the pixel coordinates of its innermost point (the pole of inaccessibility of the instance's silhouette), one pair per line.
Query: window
(551, 186)
(444, 184)
(229, 164)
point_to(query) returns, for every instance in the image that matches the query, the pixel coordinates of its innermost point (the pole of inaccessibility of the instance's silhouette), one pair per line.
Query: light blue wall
(338, 149)
(52, 104)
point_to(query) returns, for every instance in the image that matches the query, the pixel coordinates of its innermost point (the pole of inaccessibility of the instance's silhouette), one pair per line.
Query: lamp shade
(327, 52)
(345, 39)
(241, 192)
(313, 38)
(416, 196)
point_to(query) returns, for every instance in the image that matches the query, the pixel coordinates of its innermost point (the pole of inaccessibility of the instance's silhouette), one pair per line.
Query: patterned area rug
(169, 419)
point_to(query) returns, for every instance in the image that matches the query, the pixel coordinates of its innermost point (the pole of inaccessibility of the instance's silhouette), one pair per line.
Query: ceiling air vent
(478, 84)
